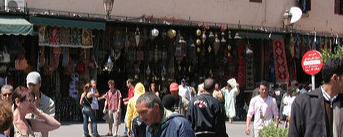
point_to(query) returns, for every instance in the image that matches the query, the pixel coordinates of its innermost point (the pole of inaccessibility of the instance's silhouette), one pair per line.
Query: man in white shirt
(184, 90)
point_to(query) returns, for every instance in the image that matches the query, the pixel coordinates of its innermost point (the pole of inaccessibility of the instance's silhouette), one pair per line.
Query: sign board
(311, 62)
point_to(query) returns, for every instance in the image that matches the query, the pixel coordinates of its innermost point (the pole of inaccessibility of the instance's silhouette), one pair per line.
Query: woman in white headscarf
(230, 94)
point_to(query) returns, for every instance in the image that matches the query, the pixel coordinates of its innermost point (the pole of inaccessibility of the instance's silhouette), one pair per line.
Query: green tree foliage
(326, 54)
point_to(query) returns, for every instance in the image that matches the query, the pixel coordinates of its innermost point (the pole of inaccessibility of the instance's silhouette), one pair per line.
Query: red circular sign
(311, 62)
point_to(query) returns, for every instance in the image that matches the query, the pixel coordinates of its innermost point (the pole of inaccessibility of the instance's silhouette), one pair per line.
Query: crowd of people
(182, 112)
(25, 111)
(179, 112)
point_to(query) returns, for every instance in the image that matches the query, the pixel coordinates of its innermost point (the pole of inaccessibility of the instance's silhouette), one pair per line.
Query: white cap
(232, 82)
(33, 77)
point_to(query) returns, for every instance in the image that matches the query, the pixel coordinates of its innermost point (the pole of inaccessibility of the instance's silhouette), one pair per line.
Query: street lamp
(286, 18)
(108, 5)
(109, 65)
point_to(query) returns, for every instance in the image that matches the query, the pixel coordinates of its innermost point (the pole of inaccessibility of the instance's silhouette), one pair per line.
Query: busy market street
(177, 68)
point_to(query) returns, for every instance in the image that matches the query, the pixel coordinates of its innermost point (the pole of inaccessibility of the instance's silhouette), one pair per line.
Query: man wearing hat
(180, 103)
(184, 90)
(43, 102)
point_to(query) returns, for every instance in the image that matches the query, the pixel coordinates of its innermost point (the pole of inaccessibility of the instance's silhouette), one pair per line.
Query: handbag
(5, 57)
(20, 64)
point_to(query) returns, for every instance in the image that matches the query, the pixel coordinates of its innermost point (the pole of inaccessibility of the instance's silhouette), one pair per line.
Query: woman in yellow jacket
(131, 112)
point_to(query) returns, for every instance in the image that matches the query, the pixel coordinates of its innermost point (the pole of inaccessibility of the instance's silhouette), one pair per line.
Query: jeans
(88, 112)
(125, 128)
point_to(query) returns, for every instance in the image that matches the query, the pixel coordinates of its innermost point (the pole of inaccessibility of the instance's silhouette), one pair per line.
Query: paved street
(236, 129)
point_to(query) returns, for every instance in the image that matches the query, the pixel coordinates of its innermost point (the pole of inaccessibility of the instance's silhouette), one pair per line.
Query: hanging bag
(5, 57)
(21, 63)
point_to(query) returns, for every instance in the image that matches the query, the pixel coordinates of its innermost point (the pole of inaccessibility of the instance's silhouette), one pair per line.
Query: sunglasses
(7, 94)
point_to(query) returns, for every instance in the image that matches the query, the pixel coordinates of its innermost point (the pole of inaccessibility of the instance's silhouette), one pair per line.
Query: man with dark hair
(130, 94)
(184, 90)
(319, 112)
(161, 122)
(206, 109)
(264, 107)
(129, 84)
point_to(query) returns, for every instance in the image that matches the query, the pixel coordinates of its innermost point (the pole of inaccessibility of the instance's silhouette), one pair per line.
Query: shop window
(339, 7)
(258, 1)
(305, 5)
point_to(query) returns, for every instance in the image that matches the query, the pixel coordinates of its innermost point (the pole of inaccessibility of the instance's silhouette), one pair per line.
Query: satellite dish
(296, 14)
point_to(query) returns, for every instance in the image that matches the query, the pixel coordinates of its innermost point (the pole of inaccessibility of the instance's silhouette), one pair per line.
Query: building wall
(268, 13)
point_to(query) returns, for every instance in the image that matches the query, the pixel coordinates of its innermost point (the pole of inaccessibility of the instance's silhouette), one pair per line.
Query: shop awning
(255, 35)
(67, 23)
(15, 26)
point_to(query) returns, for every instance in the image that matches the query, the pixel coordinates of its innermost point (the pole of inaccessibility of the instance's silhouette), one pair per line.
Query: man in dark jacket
(320, 112)
(161, 122)
(206, 113)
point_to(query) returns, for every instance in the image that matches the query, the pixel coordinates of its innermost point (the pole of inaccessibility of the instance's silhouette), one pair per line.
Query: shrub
(271, 130)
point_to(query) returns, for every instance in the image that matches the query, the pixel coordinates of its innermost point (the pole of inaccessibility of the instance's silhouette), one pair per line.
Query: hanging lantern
(164, 71)
(237, 36)
(171, 33)
(203, 37)
(154, 32)
(223, 37)
(198, 49)
(137, 36)
(211, 37)
(182, 42)
(216, 45)
(248, 51)
(198, 32)
(209, 49)
(229, 35)
(148, 71)
(198, 42)
(229, 47)
(191, 43)
(109, 64)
